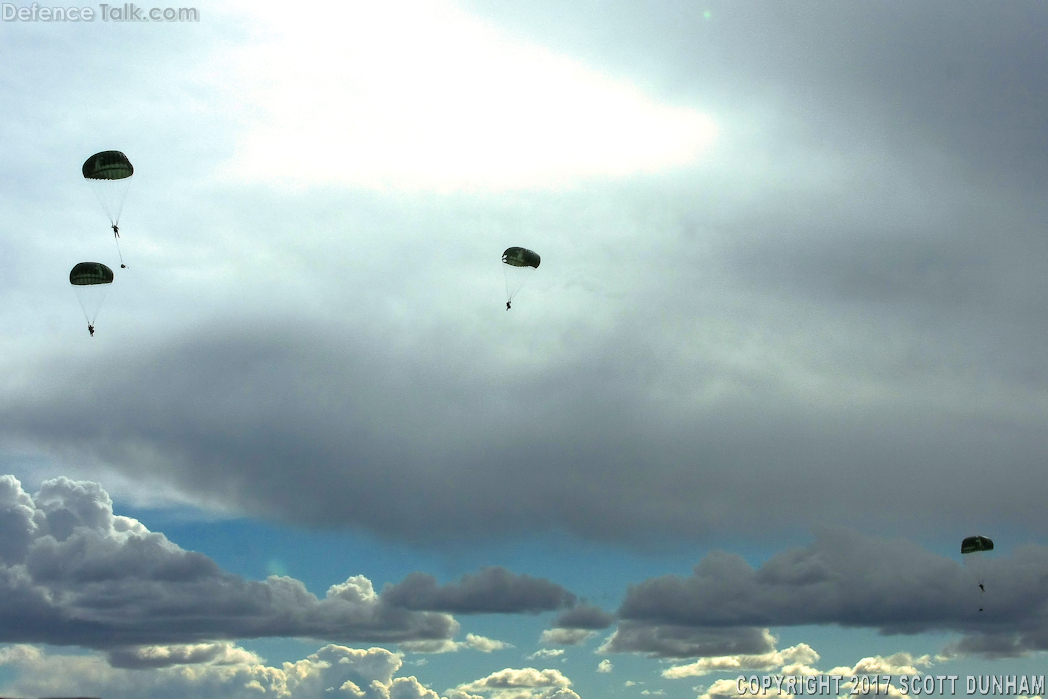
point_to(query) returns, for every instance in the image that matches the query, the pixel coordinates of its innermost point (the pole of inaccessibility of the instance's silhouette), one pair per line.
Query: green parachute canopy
(91, 282)
(518, 264)
(108, 165)
(975, 544)
(90, 273)
(521, 257)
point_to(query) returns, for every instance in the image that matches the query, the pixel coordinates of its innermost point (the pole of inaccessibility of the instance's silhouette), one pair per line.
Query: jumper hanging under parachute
(973, 549)
(109, 174)
(91, 282)
(517, 266)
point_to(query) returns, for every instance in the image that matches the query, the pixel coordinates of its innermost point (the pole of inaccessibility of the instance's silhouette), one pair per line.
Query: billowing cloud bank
(73, 573)
(233, 673)
(846, 579)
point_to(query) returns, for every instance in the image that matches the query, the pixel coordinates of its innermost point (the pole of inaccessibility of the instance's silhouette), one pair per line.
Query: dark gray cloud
(491, 591)
(584, 616)
(631, 441)
(847, 579)
(87, 577)
(669, 641)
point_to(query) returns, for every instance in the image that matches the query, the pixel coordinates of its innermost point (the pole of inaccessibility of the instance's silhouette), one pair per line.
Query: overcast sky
(784, 350)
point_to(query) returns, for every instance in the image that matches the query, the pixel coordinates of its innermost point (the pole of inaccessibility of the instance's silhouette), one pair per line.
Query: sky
(783, 352)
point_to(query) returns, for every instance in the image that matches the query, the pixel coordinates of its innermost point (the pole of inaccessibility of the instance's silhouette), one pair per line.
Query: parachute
(517, 266)
(91, 282)
(973, 549)
(109, 174)
(975, 544)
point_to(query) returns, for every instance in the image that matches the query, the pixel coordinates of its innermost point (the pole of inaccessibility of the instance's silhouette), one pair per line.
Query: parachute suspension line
(116, 237)
(111, 194)
(519, 275)
(91, 300)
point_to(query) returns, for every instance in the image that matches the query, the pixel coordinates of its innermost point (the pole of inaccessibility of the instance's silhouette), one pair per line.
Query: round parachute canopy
(91, 282)
(108, 165)
(90, 273)
(973, 553)
(109, 175)
(975, 544)
(518, 265)
(521, 257)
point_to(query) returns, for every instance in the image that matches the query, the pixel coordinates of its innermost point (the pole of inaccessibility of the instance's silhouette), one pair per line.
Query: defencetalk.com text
(126, 12)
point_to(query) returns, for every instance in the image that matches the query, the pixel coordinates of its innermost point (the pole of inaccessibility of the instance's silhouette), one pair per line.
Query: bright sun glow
(418, 95)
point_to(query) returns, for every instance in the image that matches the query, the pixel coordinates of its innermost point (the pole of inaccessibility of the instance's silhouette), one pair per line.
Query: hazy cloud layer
(846, 579)
(844, 291)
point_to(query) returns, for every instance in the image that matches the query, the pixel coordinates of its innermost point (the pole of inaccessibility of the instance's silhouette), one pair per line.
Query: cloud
(565, 637)
(518, 693)
(141, 657)
(20, 653)
(420, 95)
(837, 304)
(841, 578)
(801, 654)
(473, 641)
(492, 590)
(670, 641)
(237, 674)
(88, 577)
(722, 689)
(798, 661)
(410, 688)
(484, 644)
(364, 674)
(584, 616)
(796, 395)
(994, 645)
(510, 678)
(241, 402)
(444, 645)
(901, 663)
(524, 683)
(547, 653)
(605, 666)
